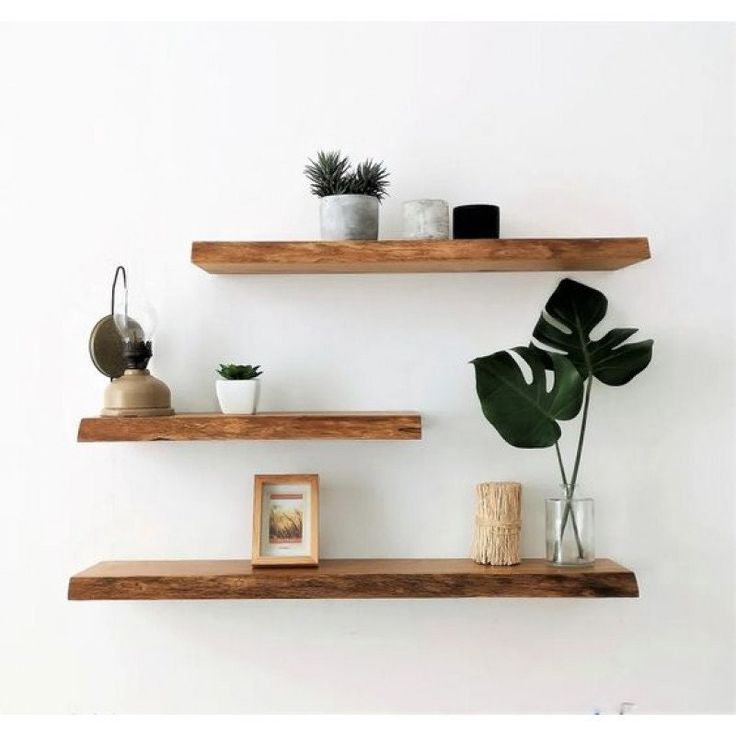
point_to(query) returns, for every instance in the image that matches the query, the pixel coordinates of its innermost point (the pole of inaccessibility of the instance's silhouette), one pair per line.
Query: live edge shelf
(271, 426)
(363, 578)
(417, 256)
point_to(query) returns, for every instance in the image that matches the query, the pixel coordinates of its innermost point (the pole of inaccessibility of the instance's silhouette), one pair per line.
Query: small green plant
(331, 173)
(232, 372)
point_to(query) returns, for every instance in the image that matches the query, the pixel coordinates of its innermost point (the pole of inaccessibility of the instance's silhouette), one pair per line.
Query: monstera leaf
(524, 414)
(579, 308)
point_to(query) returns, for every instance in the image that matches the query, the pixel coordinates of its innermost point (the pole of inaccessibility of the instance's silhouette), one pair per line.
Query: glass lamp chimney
(136, 330)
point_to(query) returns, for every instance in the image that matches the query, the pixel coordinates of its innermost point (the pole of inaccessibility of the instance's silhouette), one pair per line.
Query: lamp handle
(118, 271)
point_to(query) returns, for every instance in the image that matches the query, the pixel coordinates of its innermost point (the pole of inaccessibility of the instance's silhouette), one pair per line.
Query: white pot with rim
(238, 396)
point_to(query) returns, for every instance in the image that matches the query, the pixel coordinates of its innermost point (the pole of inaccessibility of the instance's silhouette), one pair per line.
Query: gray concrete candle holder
(426, 219)
(348, 217)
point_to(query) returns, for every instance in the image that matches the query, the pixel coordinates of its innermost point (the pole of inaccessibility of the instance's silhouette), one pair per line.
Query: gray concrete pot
(348, 217)
(426, 219)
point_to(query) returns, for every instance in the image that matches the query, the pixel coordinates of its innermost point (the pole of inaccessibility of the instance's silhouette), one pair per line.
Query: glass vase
(570, 529)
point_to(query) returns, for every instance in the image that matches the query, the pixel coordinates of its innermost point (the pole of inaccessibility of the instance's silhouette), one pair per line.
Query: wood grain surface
(271, 426)
(417, 256)
(361, 578)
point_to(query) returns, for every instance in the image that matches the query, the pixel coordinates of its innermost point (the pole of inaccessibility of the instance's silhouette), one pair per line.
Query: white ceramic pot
(238, 397)
(348, 217)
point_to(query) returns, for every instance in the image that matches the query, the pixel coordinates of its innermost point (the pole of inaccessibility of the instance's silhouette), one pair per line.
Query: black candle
(475, 221)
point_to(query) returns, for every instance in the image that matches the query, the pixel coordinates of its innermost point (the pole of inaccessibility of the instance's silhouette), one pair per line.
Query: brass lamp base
(136, 412)
(137, 394)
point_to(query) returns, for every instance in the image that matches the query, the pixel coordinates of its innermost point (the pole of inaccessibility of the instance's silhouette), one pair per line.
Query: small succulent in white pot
(349, 198)
(238, 389)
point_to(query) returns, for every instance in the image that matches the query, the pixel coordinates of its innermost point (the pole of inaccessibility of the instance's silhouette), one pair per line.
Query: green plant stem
(567, 513)
(558, 542)
(576, 468)
(583, 425)
(562, 467)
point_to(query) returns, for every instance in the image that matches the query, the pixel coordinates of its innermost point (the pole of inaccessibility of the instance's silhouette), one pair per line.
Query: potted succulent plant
(526, 413)
(238, 389)
(349, 198)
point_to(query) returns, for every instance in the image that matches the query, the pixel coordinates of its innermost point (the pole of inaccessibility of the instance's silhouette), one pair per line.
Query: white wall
(124, 144)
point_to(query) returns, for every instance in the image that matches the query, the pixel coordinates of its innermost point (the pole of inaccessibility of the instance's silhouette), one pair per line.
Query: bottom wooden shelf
(362, 578)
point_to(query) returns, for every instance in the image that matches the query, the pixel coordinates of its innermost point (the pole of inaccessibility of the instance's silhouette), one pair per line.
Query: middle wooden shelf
(360, 425)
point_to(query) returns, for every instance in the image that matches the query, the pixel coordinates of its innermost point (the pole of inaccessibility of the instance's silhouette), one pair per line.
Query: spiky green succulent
(233, 372)
(330, 173)
(370, 177)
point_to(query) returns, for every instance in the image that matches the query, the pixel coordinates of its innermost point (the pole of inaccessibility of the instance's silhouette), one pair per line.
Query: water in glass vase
(570, 529)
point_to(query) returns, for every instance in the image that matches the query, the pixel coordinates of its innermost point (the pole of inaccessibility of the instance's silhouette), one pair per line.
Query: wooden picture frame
(285, 520)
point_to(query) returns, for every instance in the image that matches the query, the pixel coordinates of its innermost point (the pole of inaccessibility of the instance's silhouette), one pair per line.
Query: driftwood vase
(497, 524)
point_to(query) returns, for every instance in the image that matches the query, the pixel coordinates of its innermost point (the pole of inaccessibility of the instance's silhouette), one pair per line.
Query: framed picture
(285, 520)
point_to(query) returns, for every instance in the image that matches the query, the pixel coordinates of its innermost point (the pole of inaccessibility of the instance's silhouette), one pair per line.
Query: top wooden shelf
(419, 256)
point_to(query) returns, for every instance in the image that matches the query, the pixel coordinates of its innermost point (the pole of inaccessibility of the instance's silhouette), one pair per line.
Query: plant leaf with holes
(524, 414)
(580, 308)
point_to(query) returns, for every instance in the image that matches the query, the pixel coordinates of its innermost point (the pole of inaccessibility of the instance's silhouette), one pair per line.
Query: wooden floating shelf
(419, 256)
(272, 426)
(364, 578)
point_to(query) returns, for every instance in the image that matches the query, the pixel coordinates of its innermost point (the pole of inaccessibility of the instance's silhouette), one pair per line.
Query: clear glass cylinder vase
(570, 529)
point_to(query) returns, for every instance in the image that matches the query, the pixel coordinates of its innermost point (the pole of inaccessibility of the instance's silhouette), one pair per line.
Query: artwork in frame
(285, 520)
